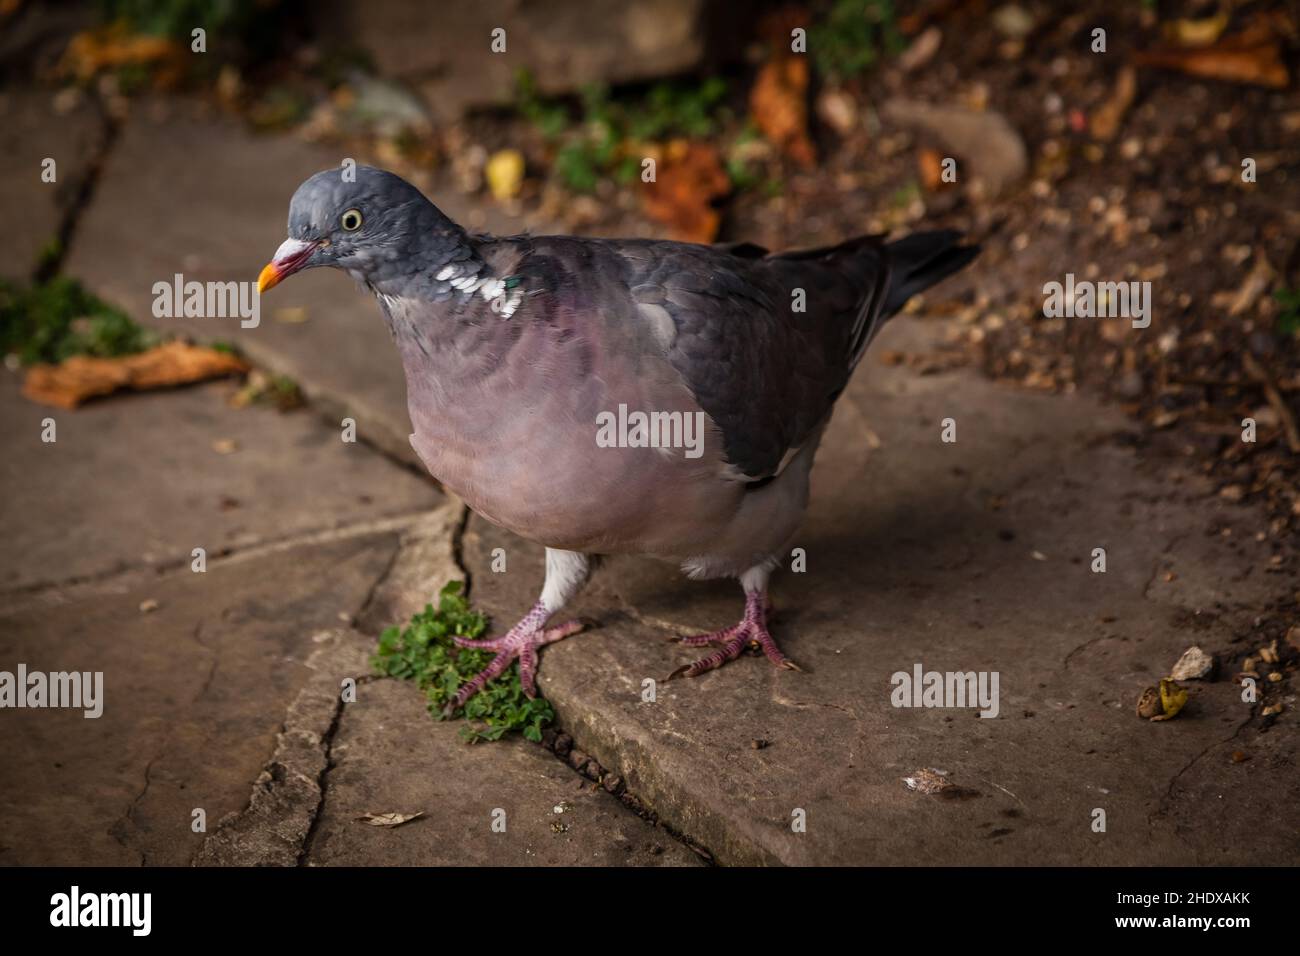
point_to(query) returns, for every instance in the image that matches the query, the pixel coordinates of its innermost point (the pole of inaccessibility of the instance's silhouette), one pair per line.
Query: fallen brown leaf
(388, 819)
(81, 377)
(1252, 56)
(688, 180)
(779, 105)
(929, 163)
(114, 46)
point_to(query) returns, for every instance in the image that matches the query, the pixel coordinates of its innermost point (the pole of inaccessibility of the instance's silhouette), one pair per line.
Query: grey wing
(766, 373)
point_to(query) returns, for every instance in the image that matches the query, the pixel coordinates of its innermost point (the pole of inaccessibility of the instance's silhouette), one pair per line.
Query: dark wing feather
(766, 374)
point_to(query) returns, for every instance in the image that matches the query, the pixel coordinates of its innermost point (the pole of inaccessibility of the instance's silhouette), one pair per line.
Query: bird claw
(751, 632)
(521, 642)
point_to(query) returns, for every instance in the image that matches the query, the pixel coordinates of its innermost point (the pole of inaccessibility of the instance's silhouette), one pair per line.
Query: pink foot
(752, 631)
(522, 642)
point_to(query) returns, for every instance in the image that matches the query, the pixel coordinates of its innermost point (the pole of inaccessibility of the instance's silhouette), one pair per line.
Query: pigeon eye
(351, 220)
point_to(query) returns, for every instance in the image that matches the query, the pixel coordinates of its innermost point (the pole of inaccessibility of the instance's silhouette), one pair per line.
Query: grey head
(374, 224)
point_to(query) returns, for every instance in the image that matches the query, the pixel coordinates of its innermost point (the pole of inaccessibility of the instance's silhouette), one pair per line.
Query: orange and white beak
(288, 259)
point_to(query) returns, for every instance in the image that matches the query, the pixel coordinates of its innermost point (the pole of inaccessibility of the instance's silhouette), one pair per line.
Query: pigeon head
(373, 224)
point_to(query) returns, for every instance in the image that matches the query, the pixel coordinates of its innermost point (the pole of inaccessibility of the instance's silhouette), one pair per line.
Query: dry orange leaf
(1252, 56)
(74, 380)
(690, 177)
(779, 104)
(114, 46)
(929, 164)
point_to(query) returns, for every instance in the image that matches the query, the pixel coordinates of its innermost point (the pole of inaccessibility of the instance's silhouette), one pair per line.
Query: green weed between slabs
(54, 320)
(424, 652)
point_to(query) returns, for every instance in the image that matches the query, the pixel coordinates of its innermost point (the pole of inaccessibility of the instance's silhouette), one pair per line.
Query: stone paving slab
(216, 199)
(195, 692)
(139, 481)
(448, 59)
(389, 755)
(924, 552)
(102, 521)
(30, 132)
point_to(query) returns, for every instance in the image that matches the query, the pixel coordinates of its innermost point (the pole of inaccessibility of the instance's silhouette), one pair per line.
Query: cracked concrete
(107, 453)
(45, 209)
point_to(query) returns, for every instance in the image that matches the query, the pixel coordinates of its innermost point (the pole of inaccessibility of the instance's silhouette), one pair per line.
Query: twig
(1260, 374)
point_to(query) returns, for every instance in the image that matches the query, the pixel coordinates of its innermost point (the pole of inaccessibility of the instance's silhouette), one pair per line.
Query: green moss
(424, 652)
(51, 321)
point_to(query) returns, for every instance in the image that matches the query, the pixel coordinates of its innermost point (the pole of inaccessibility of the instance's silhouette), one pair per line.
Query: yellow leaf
(1197, 32)
(1172, 698)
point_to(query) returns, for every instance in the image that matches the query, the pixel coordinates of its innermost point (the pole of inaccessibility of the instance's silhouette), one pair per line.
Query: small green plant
(51, 321)
(854, 37)
(593, 143)
(1288, 319)
(424, 652)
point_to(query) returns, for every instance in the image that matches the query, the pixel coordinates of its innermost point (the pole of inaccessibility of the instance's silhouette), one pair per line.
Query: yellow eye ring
(351, 220)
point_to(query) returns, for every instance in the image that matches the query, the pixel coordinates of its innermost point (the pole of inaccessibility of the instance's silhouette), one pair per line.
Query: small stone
(613, 783)
(760, 744)
(563, 744)
(1240, 756)
(577, 759)
(1193, 665)
(1232, 492)
(148, 605)
(1012, 20)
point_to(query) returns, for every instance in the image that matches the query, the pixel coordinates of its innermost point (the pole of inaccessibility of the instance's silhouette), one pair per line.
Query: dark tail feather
(918, 261)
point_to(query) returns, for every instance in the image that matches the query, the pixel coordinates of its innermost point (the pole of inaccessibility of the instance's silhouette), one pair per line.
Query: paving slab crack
(82, 194)
(1160, 560)
(322, 782)
(119, 830)
(119, 579)
(277, 827)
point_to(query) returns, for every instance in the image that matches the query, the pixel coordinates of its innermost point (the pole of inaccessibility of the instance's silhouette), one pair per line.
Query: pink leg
(522, 642)
(751, 630)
